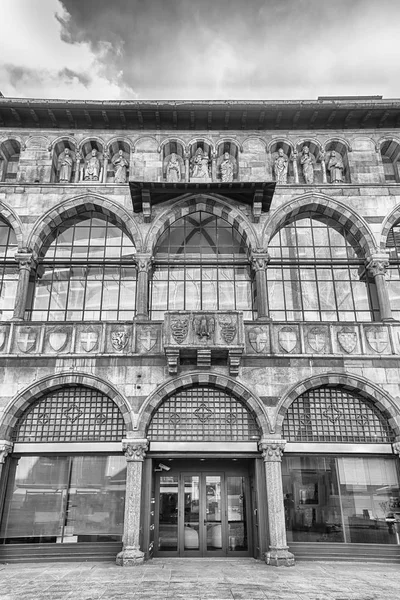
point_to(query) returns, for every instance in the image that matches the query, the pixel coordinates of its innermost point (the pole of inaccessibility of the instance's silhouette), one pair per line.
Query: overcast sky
(199, 49)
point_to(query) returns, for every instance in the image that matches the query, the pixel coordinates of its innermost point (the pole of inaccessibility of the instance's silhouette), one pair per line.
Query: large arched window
(86, 272)
(317, 273)
(393, 274)
(201, 263)
(8, 271)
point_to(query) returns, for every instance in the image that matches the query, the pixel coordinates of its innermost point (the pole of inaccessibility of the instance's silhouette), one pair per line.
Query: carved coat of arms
(58, 339)
(147, 339)
(287, 338)
(347, 339)
(228, 329)
(26, 339)
(89, 340)
(258, 339)
(119, 339)
(204, 326)
(179, 329)
(377, 339)
(317, 339)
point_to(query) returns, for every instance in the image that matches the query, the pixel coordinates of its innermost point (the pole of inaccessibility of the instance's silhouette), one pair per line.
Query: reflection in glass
(168, 513)
(213, 512)
(237, 526)
(192, 517)
(64, 499)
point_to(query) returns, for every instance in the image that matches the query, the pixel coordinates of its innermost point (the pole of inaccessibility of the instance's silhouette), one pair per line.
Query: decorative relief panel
(317, 339)
(58, 339)
(347, 340)
(286, 339)
(203, 329)
(148, 339)
(377, 340)
(118, 338)
(258, 340)
(89, 339)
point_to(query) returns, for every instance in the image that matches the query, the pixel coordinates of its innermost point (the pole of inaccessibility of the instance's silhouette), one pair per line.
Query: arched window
(86, 273)
(393, 273)
(10, 151)
(329, 414)
(317, 273)
(203, 414)
(8, 271)
(390, 153)
(201, 263)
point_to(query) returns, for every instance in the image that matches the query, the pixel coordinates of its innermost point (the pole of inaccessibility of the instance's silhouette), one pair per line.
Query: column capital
(396, 448)
(272, 450)
(259, 259)
(24, 258)
(135, 449)
(6, 448)
(377, 264)
(144, 262)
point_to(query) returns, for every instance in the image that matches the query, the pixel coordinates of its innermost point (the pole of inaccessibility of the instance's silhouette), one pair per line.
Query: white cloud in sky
(36, 62)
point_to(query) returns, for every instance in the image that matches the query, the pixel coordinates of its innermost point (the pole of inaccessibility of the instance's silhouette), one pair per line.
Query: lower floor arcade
(203, 473)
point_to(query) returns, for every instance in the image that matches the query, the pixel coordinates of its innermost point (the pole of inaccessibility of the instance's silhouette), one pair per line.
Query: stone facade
(139, 363)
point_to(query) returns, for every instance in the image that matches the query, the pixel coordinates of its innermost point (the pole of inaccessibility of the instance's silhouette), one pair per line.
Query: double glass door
(202, 514)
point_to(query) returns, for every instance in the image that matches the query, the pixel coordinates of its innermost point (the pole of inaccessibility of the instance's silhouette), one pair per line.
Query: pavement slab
(199, 579)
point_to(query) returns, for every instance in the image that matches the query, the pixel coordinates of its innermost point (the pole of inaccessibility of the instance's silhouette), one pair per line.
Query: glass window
(8, 271)
(317, 273)
(393, 274)
(203, 261)
(85, 274)
(58, 499)
(346, 499)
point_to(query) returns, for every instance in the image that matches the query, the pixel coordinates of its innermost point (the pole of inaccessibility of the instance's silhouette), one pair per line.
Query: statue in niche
(281, 167)
(335, 167)
(173, 169)
(307, 161)
(227, 168)
(120, 168)
(199, 166)
(92, 167)
(66, 164)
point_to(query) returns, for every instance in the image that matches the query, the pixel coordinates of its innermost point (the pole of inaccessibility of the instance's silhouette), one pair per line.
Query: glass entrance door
(202, 514)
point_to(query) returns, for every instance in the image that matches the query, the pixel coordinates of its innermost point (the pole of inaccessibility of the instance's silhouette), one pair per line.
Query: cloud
(204, 49)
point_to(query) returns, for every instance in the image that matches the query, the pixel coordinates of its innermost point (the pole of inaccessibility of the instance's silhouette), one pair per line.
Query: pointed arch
(217, 381)
(319, 205)
(207, 203)
(347, 381)
(18, 405)
(78, 205)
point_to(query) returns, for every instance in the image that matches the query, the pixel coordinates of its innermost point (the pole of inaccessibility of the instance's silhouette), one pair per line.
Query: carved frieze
(206, 328)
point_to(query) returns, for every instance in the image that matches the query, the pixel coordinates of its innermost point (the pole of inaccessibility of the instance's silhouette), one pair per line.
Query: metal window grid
(335, 415)
(73, 414)
(203, 414)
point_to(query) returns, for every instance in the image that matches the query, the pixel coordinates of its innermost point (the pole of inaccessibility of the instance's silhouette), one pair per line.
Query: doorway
(203, 510)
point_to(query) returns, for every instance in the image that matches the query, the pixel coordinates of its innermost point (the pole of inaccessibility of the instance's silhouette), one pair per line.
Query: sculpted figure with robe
(120, 167)
(66, 164)
(92, 167)
(199, 166)
(173, 169)
(307, 161)
(227, 168)
(335, 167)
(281, 167)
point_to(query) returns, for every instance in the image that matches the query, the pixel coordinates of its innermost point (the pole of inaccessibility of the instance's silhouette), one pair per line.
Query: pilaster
(259, 261)
(377, 265)
(26, 264)
(144, 263)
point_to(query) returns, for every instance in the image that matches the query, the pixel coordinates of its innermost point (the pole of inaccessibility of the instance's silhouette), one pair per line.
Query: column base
(279, 557)
(130, 557)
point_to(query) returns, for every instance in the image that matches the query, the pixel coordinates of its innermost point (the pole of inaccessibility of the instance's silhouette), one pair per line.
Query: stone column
(377, 265)
(323, 167)
(6, 448)
(259, 261)
(278, 554)
(131, 555)
(78, 157)
(144, 262)
(26, 264)
(295, 167)
(105, 166)
(187, 167)
(214, 166)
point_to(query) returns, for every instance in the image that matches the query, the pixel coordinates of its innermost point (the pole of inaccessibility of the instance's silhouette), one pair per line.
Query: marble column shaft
(377, 265)
(260, 261)
(135, 450)
(295, 167)
(105, 166)
(144, 262)
(278, 554)
(26, 264)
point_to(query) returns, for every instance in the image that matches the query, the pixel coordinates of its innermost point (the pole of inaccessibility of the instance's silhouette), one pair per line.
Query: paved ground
(191, 579)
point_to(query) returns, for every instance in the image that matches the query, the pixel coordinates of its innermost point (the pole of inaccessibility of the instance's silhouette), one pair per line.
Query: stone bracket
(234, 358)
(172, 355)
(257, 205)
(146, 205)
(204, 358)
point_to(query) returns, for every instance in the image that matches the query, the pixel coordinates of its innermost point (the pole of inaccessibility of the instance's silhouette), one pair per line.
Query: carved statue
(227, 168)
(281, 167)
(92, 167)
(173, 169)
(120, 168)
(335, 167)
(199, 166)
(66, 164)
(307, 161)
